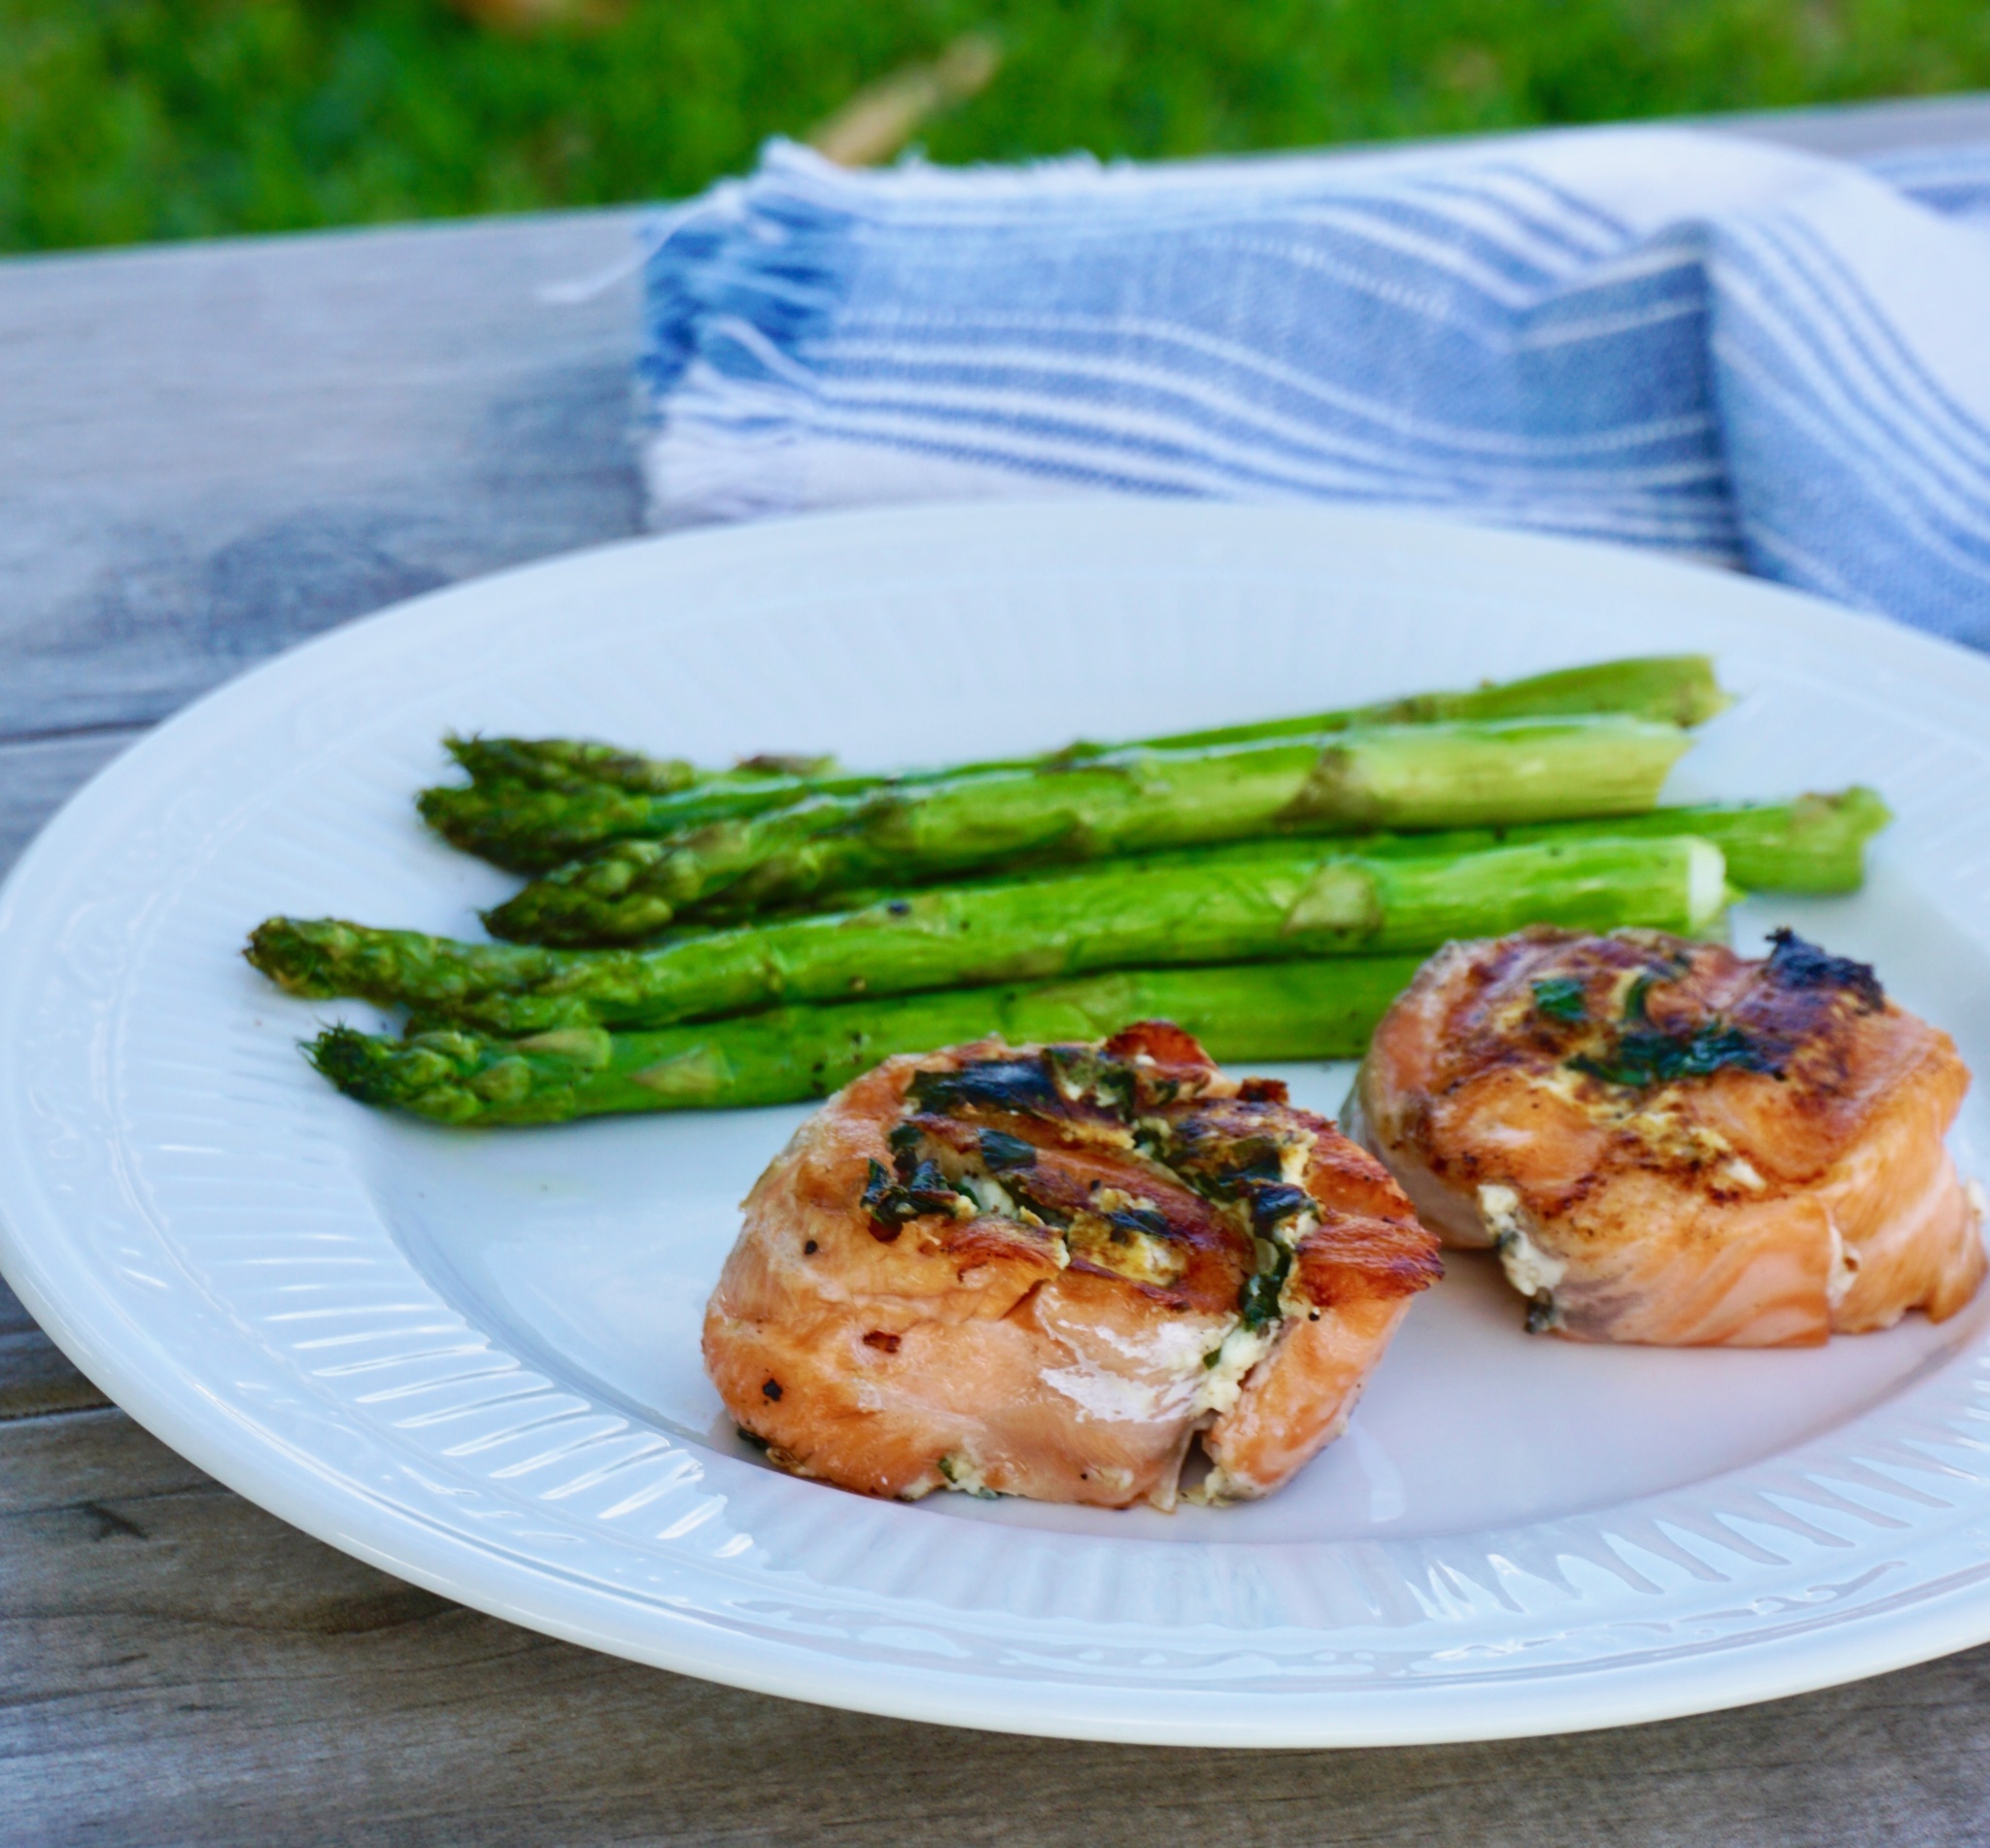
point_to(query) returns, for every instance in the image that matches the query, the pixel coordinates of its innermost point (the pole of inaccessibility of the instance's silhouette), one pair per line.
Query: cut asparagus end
(1480, 773)
(1833, 828)
(1707, 891)
(1816, 843)
(1675, 689)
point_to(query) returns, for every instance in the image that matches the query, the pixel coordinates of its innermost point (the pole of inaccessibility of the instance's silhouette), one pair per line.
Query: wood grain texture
(208, 453)
(38, 775)
(213, 451)
(177, 1666)
(1870, 128)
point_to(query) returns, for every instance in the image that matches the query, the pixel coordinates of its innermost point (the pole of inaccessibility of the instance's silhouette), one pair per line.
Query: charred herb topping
(1228, 1169)
(1249, 1171)
(1019, 1087)
(1795, 963)
(1272, 1206)
(1004, 1155)
(894, 1200)
(1088, 1076)
(1647, 1057)
(1260, 1302)
(1561, 998)
(1636, 996)
(1644, 1054)
(1210, 1154)
(1146, 1220)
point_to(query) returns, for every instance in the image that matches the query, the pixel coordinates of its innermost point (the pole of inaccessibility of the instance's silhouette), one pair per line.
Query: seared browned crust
(1019, 1265)
(1709, 1148)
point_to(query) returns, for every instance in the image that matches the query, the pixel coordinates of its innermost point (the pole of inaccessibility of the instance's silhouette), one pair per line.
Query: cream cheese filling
(1531, 1270)
(1223, 1377)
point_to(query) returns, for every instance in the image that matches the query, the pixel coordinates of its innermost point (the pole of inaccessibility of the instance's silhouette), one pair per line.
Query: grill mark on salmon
(1675, 1144)
(1045, 1271)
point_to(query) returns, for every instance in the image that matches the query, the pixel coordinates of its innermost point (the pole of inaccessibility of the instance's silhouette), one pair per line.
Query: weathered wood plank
(212, 451)
(176, 1667)
(1850, 131)
(38, 775)
(98, 1455)
(36, 1379)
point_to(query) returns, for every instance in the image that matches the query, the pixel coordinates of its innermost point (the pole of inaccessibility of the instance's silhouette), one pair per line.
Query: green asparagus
(1263, 901)
(533, 803)
(1437, 776)
(1816, 843)
(1813, 845)
(1271, 1010)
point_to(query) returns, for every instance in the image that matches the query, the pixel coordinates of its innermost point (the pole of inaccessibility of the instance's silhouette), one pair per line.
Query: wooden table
(207, 453)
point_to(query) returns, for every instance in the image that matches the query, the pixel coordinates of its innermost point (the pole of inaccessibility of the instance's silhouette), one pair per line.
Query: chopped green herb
(1005, 1153)
(894, 1203)
(1272, 1206)
(1635, 998)
(962, 1479)
(1649, 1057)
(1018, 1084)
(1260, 1302)
(1561, 998)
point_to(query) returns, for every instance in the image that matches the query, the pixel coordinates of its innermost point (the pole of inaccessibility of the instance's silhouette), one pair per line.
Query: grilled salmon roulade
(1669, 1143)
(1044, 1270)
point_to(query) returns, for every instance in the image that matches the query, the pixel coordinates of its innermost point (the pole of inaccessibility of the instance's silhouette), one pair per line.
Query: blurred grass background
(126, 119)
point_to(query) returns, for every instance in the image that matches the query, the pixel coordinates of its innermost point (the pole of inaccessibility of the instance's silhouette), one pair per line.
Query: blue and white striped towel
(1661, 336)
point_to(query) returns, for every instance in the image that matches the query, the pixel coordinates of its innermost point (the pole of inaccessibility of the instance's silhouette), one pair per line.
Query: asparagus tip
(354, 1061)
(285, 950)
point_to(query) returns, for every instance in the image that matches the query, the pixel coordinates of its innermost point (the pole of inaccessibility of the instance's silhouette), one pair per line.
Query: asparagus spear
(1271, 1010)
(533, 803)
(1815, 843)
(1263, 901)
(1389, 777)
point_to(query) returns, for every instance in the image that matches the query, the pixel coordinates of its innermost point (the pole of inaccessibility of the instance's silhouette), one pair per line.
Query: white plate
(472, 1359)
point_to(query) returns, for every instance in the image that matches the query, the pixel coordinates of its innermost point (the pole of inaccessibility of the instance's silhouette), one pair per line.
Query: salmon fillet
(1668, 1142)
(1043, 1271)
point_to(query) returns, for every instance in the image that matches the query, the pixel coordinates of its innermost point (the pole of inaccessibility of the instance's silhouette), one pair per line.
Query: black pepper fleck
(773, 1389)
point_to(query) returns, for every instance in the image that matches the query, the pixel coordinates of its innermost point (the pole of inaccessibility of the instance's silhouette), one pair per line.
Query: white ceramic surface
(471, 1358)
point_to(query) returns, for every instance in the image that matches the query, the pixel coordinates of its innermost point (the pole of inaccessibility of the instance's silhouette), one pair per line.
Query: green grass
(124, 120)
